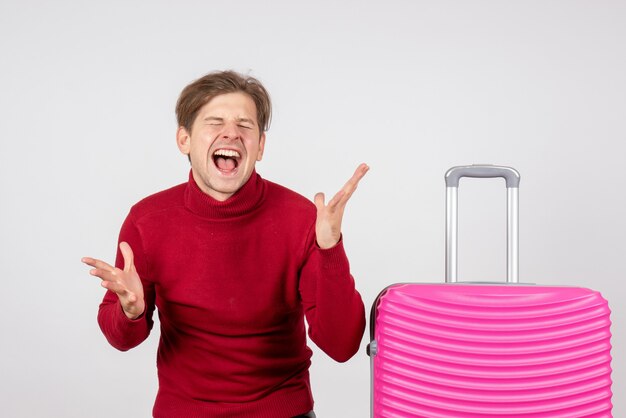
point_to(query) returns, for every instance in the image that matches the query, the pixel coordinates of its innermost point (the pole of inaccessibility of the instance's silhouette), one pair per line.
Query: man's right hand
(125, 283)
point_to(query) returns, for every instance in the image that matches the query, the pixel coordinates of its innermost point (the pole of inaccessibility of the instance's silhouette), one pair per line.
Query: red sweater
(232, 282)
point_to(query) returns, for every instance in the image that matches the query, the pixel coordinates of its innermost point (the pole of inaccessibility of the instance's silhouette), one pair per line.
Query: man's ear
(259, 155)
(183, 140)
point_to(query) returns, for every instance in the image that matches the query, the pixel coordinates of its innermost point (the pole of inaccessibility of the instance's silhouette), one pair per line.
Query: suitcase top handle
(512, 178)
(509, 174)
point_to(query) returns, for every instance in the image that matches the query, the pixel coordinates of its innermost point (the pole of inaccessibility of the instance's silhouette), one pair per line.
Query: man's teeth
(227, 153)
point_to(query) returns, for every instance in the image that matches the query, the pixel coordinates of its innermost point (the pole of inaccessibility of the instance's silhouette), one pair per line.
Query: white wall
(87, 92)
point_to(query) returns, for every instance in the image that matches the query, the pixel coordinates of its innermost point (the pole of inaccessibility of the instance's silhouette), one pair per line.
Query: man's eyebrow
(218, 119)
(245, 120)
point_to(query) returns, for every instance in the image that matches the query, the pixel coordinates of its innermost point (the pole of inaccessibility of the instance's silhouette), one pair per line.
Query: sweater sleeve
(121, 332)
(334, 309)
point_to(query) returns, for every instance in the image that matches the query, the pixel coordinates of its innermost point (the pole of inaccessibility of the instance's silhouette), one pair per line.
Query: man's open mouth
(226, 160)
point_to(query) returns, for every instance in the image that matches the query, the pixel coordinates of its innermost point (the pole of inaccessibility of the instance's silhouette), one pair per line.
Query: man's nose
(231, 131)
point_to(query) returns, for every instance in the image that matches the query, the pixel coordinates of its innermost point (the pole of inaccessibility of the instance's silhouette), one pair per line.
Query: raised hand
(125, 283)
(329, 216)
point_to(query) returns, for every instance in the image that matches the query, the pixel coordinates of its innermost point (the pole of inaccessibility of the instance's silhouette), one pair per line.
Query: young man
(233, 263)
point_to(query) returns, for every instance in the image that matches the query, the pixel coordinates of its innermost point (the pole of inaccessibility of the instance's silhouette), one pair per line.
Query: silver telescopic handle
(512, 179)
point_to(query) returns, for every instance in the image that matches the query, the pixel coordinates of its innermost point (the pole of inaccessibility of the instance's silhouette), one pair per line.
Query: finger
(115, 287)
(127, 253)
(319, 201)
(342, 197)
(351, 184)
(336, 199)
(106, 275)
(98, 264)
(361, 170)
(346, 191)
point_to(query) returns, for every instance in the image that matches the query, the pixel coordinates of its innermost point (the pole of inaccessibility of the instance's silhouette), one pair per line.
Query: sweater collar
(245, 200)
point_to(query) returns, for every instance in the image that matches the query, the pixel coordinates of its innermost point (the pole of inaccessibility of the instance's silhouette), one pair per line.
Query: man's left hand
(329, 216)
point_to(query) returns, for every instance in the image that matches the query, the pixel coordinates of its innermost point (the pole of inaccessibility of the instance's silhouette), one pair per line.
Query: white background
(87, 94)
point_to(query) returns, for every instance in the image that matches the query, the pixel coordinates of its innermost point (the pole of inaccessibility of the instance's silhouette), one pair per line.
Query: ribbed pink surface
(478, 351)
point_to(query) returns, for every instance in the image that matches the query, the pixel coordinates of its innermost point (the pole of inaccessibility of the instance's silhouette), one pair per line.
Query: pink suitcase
(480, 350)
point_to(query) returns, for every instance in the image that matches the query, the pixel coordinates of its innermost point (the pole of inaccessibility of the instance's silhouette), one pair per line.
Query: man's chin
(227, 186)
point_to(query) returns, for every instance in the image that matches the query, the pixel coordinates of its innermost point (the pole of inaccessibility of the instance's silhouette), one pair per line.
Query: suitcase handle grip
(512, 178)
(509, 174)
